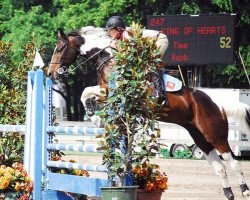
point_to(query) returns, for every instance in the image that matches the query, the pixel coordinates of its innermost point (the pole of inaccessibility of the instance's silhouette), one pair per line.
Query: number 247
(225, 42)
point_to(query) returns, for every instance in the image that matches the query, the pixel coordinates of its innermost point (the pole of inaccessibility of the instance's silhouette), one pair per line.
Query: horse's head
(66, 51)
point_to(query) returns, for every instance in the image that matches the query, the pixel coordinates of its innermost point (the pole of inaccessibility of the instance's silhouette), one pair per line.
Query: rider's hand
(113, 44)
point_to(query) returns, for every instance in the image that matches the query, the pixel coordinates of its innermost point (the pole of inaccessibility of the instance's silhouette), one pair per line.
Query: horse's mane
(95, 37)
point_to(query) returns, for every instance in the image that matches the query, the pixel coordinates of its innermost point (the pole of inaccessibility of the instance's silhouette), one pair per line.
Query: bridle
(62, 70)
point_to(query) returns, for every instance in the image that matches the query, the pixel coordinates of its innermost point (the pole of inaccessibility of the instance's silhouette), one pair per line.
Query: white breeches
(162, 42)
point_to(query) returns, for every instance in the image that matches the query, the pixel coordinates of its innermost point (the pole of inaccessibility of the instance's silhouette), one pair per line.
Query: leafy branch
(130, 119)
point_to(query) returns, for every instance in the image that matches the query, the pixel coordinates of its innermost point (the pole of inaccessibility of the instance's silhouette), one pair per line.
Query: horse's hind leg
(212, 157)
(222, 145)
(235, 165)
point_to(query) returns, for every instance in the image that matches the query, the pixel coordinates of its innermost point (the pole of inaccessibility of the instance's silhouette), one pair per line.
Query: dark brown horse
(189, 108)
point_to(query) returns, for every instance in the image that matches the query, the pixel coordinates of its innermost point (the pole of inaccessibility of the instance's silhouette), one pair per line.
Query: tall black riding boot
(160, 87)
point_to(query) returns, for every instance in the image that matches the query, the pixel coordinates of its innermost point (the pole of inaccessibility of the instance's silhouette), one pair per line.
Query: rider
(117, 31)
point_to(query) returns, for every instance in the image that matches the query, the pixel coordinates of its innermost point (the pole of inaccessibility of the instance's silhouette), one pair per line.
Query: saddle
(171, 83)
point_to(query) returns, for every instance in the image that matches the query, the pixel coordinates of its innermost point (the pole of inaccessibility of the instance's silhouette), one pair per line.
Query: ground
(188, 179)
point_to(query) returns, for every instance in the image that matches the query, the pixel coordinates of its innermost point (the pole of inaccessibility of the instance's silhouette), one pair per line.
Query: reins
(97, 53)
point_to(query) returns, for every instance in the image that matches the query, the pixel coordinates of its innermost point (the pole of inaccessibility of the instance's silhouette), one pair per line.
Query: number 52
(225, 42)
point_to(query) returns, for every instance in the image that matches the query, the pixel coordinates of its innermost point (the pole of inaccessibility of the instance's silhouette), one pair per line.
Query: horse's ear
(61, 34)
(80, 40)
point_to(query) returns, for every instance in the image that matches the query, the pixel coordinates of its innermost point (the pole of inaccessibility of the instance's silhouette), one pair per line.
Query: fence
(39, 145)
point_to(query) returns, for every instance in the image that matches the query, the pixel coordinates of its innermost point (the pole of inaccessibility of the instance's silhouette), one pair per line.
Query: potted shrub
(130, 133)
(15, 183)
(150, 180)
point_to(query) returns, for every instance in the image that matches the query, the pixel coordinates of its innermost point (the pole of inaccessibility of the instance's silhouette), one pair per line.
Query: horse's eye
(60, 48)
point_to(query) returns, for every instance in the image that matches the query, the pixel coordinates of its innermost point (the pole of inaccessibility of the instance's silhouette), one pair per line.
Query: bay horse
(190, 108)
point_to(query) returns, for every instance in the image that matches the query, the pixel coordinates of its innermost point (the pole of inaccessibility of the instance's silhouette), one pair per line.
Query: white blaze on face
(95, 38)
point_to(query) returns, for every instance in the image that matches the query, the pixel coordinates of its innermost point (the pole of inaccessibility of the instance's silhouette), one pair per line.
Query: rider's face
(114, 34)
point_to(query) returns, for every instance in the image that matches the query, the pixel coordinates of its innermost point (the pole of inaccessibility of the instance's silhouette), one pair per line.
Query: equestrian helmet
(115, 22)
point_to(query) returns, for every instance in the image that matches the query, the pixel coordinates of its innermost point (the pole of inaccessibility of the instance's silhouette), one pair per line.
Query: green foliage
(225, 5)
(183, 154)
(73, 15)
(165, 153)
(11, 148)
(23, 25)
(13, 84)
(131, 112)
(190, 8)
(12, 100)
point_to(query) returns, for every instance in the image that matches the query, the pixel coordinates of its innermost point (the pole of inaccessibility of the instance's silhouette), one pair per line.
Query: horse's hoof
(245, 191)
(90, 113)
(228, 193)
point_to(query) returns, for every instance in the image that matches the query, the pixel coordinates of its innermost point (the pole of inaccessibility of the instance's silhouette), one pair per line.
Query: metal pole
(183, 81)
(244, 67)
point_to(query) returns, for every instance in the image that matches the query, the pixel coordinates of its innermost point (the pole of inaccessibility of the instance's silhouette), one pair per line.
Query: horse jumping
(190, 108)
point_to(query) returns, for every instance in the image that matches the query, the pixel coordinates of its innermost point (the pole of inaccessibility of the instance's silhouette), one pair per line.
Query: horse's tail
(240, 114)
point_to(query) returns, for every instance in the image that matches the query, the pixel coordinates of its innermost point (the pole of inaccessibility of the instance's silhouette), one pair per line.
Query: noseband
(62, 70)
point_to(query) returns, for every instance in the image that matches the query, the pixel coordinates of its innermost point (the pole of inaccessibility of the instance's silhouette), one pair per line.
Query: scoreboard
(197, 39)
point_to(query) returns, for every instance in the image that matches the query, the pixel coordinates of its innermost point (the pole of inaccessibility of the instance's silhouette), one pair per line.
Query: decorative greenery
(165, 153)
(11, 148)
(148, 177)
(13, 84)
(15, 182)
(130, 117)
(183, 154)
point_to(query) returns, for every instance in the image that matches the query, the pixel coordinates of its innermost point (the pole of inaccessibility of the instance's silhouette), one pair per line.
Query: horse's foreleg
(235, 165)
(87, 99)
(219, 169)
(92, 92)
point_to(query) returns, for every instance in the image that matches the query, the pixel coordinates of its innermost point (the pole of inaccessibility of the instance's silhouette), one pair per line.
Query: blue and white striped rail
(12, 128)
(74, 147)
(75, 130)
(70, 165)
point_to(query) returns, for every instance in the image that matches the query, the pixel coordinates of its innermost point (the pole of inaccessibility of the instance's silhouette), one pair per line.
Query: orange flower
(163, 186)
(136, 170)
(149, 186)
(144, 172)
(56, 158)
(30, 187)
(85, 173)
(18, 186)
(150, 178)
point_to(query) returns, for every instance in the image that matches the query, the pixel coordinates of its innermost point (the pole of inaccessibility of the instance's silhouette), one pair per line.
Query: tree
(19, 20)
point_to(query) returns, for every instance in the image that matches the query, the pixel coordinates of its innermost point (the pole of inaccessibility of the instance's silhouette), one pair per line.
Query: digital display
(197, 39)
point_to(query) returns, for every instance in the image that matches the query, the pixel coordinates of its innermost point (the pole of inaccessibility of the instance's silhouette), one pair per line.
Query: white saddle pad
(172, 84)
